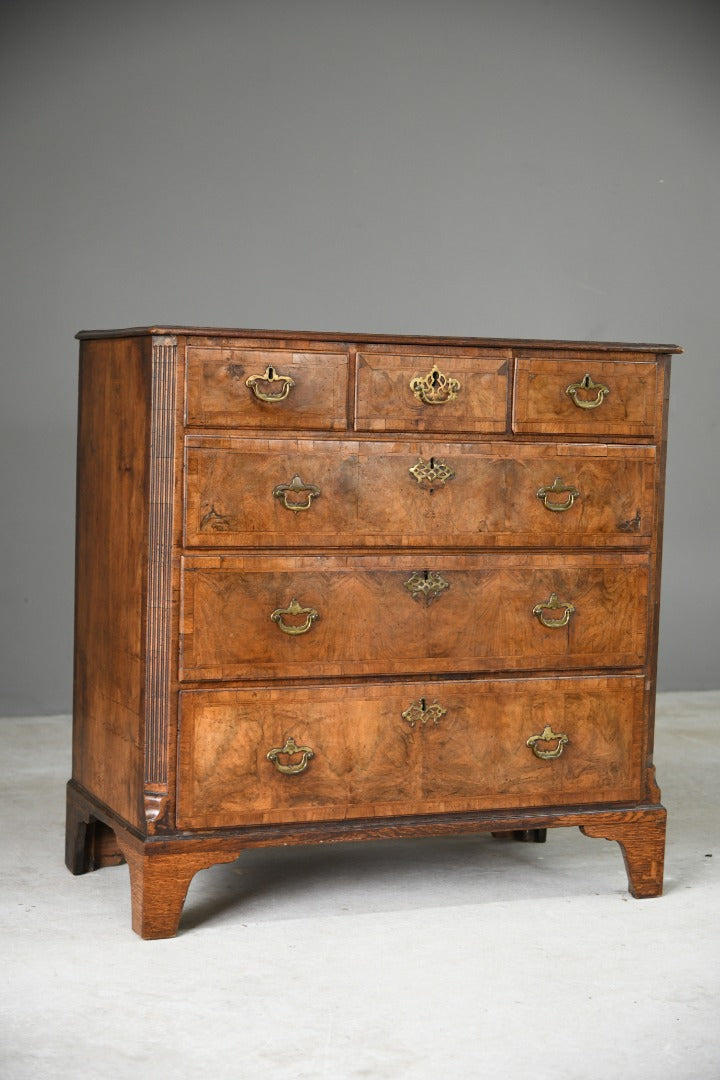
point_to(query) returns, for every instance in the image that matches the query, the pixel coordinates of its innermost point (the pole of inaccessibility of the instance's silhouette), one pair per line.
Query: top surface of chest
(456, 387)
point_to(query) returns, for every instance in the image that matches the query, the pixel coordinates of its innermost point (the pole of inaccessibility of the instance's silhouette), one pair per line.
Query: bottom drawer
(290, 754)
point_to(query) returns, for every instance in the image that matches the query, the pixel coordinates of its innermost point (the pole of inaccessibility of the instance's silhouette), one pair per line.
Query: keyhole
(585, 382)
(271, 373)
(422, 704)
(435, 377)
(432, 466)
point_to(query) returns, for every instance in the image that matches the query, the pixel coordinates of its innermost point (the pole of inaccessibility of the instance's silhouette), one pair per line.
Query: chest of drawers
(338, 587)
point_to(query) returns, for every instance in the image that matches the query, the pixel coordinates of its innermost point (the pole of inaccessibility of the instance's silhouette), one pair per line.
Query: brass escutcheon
(294, 608)
(270, 376)
(586, 383)
(435, 388)
(558, 488)
(429, 473)
(548, 735)
(420, 712)
(296, 486)
(553, 604)
(426, 586)
(290, 748)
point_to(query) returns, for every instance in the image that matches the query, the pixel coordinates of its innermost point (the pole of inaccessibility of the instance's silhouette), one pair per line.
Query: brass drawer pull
(558, 488)
(420, 712)
(553, 604)
(435, 388)
(293, 609)
(432, 472)
(295, 487)
(426, 586)
(547, 736)
(270, 375)
(290, 748)
(586, 383)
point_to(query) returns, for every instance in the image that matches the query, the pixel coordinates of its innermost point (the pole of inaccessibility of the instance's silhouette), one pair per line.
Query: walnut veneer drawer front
(293, 754)
(298, 493)
(338, 587)
(586, 397)
(430, 392)
(281, 617)
(266, 388)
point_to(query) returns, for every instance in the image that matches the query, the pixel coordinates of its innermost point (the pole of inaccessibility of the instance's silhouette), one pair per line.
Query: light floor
(408, 960)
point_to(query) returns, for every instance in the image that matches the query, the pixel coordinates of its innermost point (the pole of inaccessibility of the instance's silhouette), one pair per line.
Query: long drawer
(309, 616)
(295, 493)
(334, 752)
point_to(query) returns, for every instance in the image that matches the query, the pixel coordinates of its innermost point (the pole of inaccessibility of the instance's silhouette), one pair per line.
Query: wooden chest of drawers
(335, 588)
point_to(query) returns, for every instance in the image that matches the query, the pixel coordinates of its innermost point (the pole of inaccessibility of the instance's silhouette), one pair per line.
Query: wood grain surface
(369, 497)
(204, 510)
(385, 400)
(371, 761)
(111, 572)
(368, 622)
(543, 406)
(218, 395)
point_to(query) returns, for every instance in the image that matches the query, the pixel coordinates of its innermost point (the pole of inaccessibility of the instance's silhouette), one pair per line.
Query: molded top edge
(377, 339)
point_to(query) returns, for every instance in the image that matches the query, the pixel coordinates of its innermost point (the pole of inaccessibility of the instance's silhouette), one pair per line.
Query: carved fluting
(162, 450)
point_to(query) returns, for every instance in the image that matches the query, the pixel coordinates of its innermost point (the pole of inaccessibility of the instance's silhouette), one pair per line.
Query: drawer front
(300, 494)
(305, 616)
(266, 388)
(411, 748)
(430, 392)
(584, 397)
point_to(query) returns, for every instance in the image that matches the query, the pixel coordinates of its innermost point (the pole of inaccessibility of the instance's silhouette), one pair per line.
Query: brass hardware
(435, 388)
(426, 586)
(558, 488)
(553, 604)
(586, 383)
(270, 376)
(294, 608)
(291, 747)
(296, 486)
(548, 735)
(421, 712)
(431, 472)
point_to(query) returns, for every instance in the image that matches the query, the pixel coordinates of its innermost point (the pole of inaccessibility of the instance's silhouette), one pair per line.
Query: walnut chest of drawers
(334, 587)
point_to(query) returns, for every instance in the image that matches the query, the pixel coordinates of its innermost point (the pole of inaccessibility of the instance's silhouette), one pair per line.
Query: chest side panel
(111, 572)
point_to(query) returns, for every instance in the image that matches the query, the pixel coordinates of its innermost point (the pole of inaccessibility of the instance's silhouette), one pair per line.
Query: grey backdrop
(537, 168)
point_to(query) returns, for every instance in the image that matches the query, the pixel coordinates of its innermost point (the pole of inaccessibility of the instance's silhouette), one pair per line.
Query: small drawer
(426, 391)
(266, 388)
(302, 493)
(307, 616)
(586, 397)
(290, 754)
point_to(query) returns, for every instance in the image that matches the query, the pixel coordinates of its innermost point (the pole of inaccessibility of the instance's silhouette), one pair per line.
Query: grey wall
(526, 168)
